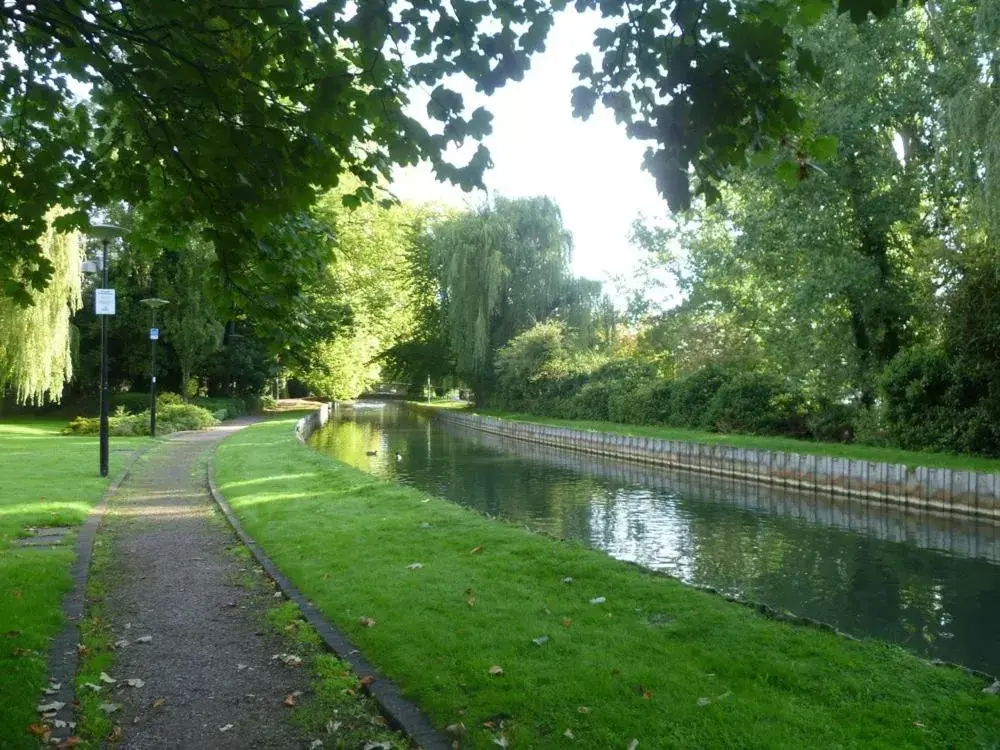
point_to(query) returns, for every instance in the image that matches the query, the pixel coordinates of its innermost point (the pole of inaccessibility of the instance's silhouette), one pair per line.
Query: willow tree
(500, 270)
(36, 339)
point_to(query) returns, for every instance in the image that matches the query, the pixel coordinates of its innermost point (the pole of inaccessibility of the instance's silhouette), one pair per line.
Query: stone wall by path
(312, 422)
(968, 493)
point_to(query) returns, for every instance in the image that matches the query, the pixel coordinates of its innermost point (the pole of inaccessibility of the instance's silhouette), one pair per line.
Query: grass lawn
(763, 442)
(656, 661)
(46, 479)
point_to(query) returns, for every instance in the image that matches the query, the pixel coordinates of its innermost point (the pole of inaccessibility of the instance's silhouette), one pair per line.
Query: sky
(591, 169)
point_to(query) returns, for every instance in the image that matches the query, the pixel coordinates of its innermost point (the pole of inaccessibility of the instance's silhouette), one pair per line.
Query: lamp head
(105, 231)
(154, 302)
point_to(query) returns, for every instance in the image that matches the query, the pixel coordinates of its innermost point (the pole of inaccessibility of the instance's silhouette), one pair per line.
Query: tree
(191, 323)
(499, 270)
(36, 341)
(233, 116)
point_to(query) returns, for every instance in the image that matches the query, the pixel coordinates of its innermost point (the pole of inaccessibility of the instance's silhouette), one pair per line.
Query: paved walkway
(208, 677)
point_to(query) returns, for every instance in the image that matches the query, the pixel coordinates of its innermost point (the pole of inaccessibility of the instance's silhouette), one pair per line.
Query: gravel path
(172, 578)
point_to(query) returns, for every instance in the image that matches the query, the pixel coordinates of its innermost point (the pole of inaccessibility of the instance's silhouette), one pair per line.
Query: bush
(835, 423)
(758, 404)
(692, 395)
(168, 399)
(169, 418)
(233, 407)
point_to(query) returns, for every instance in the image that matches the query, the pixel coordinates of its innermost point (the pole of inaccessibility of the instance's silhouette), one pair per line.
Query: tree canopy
(234, 116)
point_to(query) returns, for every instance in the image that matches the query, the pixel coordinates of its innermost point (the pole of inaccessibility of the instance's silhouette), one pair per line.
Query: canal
(929, 583)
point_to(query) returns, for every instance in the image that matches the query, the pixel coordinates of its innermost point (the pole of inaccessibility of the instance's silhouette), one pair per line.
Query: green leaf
(583, 100)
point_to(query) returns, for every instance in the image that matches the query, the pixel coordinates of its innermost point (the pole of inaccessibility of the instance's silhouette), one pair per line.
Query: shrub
(692, 395)
(168, 399)
(832, 422)
(170, 418)
(233, 407)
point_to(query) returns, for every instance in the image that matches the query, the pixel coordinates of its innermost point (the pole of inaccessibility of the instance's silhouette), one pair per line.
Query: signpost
(154, 334)
(104, 301)
(154, 304)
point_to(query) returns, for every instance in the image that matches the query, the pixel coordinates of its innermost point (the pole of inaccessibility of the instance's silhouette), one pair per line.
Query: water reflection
(931, 583)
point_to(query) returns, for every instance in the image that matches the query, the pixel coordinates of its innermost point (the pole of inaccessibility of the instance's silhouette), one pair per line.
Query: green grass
(46, 479)
(634, 667)
(764, 442)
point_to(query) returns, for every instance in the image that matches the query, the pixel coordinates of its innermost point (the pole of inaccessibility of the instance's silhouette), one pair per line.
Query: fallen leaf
(135, 682)
(278, 595)
(598, 600)
(414, 566)
(993, 689)
(44, 708)
(456, 729)
(158, 702)
(425, 525)
(490, 724)
(289, 699)
(109, 708)
(367, 680)
(289, 659)
(122, 643)
(633, 744)
(616, 672)
(58, 724)
(332, 726)
(919, 724)
(471, 601)
(496, 670)
(107, 679)
(378, 746)
(583, 710)
(225, 728)
(646, 693)
(315, 744)
(501, 741)
(92, 686)
(115, 735)
(12, 633)
(69, 742)
(703, 701)
(568, 579)
(567, 622)
(367, 622)
(568, 734)
(476, 550)
(540, 640)
(144, 639)
(54, 690)
(240, 667)
(18, 593)
(38, 730)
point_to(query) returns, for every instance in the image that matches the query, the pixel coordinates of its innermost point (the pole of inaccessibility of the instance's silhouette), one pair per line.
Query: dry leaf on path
(456, 729)
(38, 730)
(289, 699)
(476, 550)
(598, 600)
(107, 679)
(568, 734)
(540, 640)
(567, 622)
(134, 682)
(158, 702)
(583, 710)
(367, 680)
(115, 735)
(568, 579)
(367, 622)
(144, 639)
(69, 742)
(92, 686)
(44, 708)
(226, 728)
(109, 708)
(496, 670)
(414, 566)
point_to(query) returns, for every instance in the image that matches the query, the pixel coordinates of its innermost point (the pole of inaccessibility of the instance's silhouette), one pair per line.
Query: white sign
(154, 334)
(104, 301)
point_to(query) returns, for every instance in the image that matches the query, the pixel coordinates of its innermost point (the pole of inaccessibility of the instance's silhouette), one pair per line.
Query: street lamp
(155, 303)
(104, 305)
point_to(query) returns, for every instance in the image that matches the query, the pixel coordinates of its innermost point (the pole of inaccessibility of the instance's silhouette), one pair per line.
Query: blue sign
(154, 334)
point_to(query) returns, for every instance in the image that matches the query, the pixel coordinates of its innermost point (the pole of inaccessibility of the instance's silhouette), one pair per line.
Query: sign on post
(104, 301)
(154, 334)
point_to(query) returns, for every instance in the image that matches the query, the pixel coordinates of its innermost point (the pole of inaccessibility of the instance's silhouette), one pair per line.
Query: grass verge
(769, 443)
(46, 479)
(654, 661)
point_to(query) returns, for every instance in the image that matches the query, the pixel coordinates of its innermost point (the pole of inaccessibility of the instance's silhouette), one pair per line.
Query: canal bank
(501, 633)
(974, 494)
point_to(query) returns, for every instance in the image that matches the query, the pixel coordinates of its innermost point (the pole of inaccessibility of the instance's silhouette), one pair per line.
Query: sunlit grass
(46, 479)
(657, 661)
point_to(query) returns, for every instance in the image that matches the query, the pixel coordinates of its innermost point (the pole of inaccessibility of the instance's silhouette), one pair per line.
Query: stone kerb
(943, 490)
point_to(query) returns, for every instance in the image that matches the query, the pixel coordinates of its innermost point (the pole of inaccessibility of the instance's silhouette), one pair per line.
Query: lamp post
(155, 303)
(104, 305)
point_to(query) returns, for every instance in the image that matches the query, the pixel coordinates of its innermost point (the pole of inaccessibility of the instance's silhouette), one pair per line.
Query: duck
(371, 453)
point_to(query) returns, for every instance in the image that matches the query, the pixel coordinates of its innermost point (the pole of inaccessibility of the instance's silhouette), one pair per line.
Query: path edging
(64, 656)
(401, 713)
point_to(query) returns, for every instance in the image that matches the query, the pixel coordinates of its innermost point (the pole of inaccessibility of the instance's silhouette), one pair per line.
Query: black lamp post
(104, 305)
(155, 303)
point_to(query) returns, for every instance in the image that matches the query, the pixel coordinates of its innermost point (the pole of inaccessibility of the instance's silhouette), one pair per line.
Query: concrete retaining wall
(967, 493)
(312, 422)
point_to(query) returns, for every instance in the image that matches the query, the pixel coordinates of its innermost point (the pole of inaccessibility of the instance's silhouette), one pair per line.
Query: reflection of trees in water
(832, 559)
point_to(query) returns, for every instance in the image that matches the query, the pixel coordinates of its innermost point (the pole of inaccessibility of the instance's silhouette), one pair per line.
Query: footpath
(187, 633)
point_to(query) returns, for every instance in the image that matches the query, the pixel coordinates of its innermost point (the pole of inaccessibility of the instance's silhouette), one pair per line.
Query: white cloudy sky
(591, 169)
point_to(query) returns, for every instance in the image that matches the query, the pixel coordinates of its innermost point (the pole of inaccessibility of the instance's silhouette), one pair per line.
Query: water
(929, 583)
